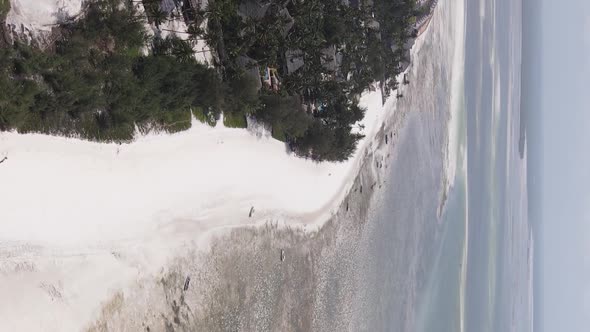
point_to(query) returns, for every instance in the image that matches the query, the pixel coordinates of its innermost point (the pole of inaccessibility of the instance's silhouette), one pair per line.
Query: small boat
(283, 255)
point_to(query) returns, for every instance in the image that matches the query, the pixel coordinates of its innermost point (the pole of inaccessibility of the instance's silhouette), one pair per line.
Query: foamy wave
(457, 94)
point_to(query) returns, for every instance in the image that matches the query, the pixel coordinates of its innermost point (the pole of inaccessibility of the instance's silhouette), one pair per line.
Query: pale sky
(565, 91)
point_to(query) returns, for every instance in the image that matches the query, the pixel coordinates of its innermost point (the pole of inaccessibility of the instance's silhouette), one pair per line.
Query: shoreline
(132, 248)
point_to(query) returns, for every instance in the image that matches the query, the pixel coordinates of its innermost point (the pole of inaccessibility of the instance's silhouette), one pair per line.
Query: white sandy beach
(67, 191)
(39, 16)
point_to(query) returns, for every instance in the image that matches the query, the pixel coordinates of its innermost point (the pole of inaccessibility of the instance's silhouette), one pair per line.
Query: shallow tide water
(471, 268)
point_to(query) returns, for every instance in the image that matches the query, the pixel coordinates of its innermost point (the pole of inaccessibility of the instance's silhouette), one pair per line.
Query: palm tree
(195, 32)
(182, 50)
(157, 16)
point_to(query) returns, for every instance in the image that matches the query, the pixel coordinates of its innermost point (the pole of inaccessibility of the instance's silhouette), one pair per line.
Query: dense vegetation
(97, 82)
(4, 8)
(317, 103)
